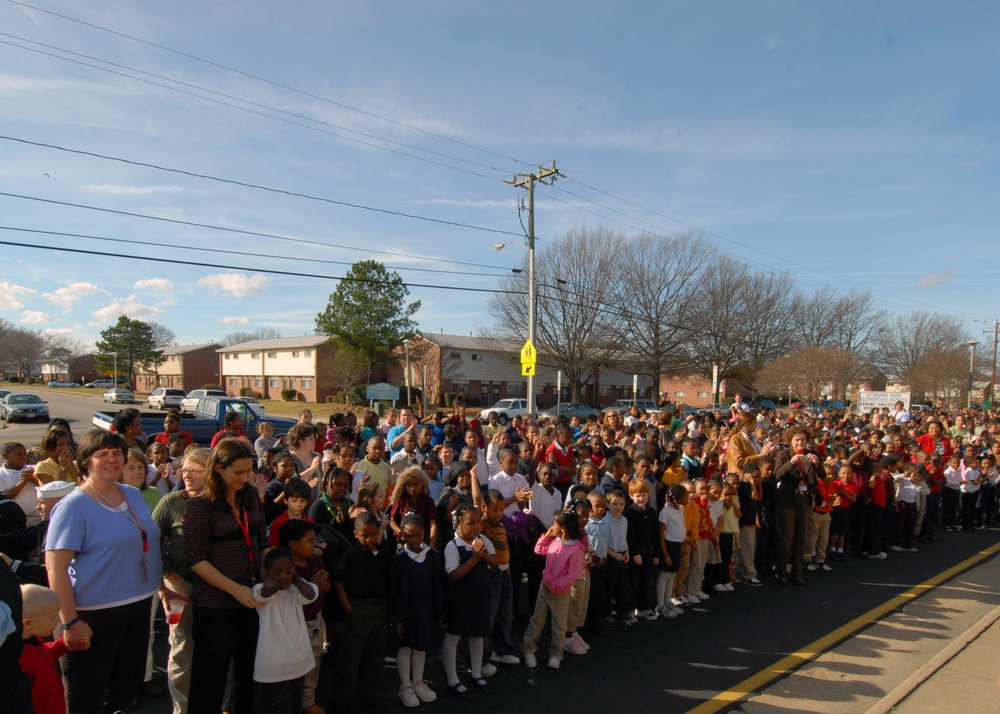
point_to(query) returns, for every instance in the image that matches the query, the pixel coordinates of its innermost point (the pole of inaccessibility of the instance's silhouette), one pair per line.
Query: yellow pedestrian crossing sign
(529, 357)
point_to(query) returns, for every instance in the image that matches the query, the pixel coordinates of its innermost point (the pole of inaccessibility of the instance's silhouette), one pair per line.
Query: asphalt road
(672, 666)
(78, 409)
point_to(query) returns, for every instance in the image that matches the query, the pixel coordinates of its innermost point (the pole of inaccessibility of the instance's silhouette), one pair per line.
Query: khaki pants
(179, 660)
(558, 607)
(682, 570)
(817, 538)
(745, 568)
(697, 572)
(579, 596)
(317, 634)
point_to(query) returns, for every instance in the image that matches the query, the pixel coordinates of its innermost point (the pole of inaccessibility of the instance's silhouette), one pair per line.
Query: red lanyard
(142, 530)
(244, 525)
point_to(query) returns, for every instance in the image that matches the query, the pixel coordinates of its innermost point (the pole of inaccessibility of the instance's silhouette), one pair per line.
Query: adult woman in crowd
(613, 420)
(743, 449)
(104, 532)
(265, 439)
(301, 440)
(224, 535)
(128, 423)
(797, 471)
(935, 442)
(177, 577)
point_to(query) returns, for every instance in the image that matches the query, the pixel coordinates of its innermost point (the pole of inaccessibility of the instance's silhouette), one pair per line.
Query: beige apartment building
(268, 366)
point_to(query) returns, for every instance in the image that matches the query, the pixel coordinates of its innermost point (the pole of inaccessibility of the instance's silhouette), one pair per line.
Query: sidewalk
(936, 652)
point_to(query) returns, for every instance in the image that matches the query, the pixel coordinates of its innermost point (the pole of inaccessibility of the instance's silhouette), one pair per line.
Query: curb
(891, 700)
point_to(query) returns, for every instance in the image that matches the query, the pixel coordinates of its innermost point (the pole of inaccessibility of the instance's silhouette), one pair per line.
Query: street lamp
(530, 247)
(971, 344)
(406, 349)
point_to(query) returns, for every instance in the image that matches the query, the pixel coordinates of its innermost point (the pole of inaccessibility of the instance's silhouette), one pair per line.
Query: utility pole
(546, 175)
(996, 338)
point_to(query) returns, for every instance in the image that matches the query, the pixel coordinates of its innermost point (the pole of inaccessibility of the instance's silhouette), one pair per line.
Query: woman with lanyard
(223, 543)
(934, 441)
(797, 471)
(301, 440)
(104, 534)
(177, 577)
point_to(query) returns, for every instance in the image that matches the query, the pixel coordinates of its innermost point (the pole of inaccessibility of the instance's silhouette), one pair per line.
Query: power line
(251, 111)
(260, 187)
(258, 234)
(270, 82)
(129, 241)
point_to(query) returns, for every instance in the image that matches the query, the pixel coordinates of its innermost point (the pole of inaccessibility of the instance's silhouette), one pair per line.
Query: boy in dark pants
(362, 585)
(597, 535)
(616, 585)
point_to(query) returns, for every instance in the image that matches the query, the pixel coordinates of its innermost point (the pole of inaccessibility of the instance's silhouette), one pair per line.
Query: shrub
(330, 398)
(289, 395)
(213, 386)
(244, 391)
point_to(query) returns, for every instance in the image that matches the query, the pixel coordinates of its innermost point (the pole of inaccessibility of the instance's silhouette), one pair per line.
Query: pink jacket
(562, 563)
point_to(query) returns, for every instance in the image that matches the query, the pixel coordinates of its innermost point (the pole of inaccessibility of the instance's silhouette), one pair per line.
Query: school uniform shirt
(826, 490)
(953, 478)
(508, 485)
(673, 519)
(544, 505)
(380, 473)
(26, 498)
(907, 491)
(452, 561)
(597, 537)
(849, 488)
(617, 533)
(970, 475)
(283, 649)
(564, 459)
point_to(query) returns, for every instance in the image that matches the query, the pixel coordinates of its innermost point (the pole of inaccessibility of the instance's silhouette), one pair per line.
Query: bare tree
(574, 326)
(346, 368)
(907, 339)
(655, 290)
(261, 333)
(808, 372)
(22, 351)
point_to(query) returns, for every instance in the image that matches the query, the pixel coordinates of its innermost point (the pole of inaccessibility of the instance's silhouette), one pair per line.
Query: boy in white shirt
(18, 481)
(971, 479)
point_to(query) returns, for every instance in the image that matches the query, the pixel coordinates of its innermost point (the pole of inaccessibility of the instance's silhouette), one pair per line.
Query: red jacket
(38, 661)
(926, 442)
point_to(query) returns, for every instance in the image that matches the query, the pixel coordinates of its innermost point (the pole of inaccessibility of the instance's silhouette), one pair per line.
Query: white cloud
(13, 293)
(34, 317)
(236, 284)
(62, 330)
(68, 296)
(932, 279)
(467, 203)
(110, 189)
(130, 307)
(773, 41)
(160, 284)
(235, 321)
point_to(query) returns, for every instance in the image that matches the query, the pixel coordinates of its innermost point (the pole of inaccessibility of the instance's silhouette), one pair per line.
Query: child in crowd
(970, 483)
(545, 500)
(333, 507)
(467, 560)
(951, 492)
(435, 476)
(614, 475)
(907, 487)
(818, 533)
(986, 506)
(749, 494)
(729, 533)
(845, 494)
(690, 551)
(416, 608)
(370, 496)
(718, 572)
(40, 615)
(874, 513)
(616, 584)
(284, 656)
(361, 581)
(457, 490)
(563, 550)
(297, 494)
(374, 468)
(579, 592)
(673, 533)
(59, 463)
(134, 474)
(274, 492)
(642, 543)
(18, 481)
(160, 474)
(407, 457)
(410, 497)
(597, 542)
(299, 538)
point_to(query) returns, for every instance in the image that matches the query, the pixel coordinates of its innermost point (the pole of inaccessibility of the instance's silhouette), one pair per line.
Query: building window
(227, 355)
(679, 393)
(456, 355)
(307, 353)
(236, 355)
(272, 355)
(703, 394)
(295, 353)
(255, 355)
(307, 383)
(477, 357)
(233, 382)
(460, 387)
(274, 383)
(605, 391)
(515, 387)
(258, 382)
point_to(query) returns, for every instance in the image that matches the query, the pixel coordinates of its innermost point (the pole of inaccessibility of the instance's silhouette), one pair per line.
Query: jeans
(108, 676)
(222, 636)
(501, 614)
(792, 524)
(278, 697)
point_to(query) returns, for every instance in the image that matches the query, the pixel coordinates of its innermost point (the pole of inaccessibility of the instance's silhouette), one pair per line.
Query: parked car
(190, 402)
(505, 409)
(256, 406)
(165, 398)
(797, 404)
(832, 404)
(20, 405)
(4, 393)
(119, 396)
(623, 405)
(100, 384)
(60, 383)
(205, 422)
(718, 407)
(570, 410)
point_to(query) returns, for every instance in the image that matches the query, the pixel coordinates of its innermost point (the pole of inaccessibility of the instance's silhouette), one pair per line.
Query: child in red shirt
(38, 659)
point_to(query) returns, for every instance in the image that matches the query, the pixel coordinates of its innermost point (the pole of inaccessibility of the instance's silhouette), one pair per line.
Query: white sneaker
(554, 662)
(582, 642)
(424, 693)
(504, 659)
(719, 588)
(574, 646)
(896, 548)
(530, 661)
(678, 601)
(648, 615)
(666, 611)
(408, 697)
(488, 670)
(677, 610)
(730, 588)
(701, 596)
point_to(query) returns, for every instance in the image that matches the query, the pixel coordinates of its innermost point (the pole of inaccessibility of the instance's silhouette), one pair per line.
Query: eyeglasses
(191, 471)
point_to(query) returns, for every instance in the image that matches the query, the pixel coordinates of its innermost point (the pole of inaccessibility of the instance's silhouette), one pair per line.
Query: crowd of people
(288, 569)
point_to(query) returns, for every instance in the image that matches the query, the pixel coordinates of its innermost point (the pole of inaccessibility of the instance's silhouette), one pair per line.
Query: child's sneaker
(648, 615)
(896, 548)
(730, 588)
(424, 693)
(408, 697)
(529, 660)
(676, 610)
(666, 611)
(719, 588)
(812, 567)
(554, 662)
(825, 568)
(678, 601)
(488, 670)
(574, 647)
(582, 642)
(503, 659)
(701, 595)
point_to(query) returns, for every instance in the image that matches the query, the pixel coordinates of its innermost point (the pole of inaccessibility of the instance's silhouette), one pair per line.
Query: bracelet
(67, 625)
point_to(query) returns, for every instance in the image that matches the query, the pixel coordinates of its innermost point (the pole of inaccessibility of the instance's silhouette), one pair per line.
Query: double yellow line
(756, 682)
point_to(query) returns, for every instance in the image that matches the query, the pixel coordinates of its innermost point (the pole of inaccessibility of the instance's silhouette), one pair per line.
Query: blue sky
(852, 144)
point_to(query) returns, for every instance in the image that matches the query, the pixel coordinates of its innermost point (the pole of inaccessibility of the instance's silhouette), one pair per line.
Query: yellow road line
(785, 665)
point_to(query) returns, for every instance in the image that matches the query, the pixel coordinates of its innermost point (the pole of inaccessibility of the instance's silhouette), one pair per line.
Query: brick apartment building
(185, 366)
